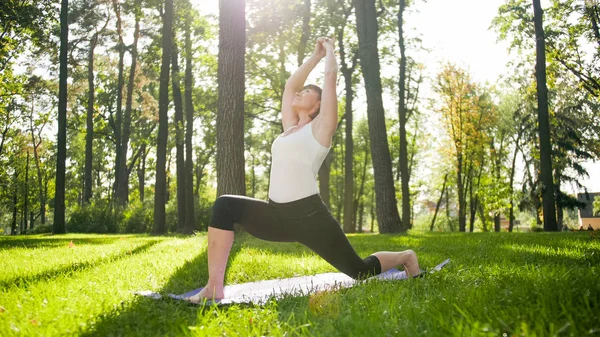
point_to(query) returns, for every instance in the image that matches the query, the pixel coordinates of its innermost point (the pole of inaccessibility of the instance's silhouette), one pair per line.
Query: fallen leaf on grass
(2, 309)
(71, 244)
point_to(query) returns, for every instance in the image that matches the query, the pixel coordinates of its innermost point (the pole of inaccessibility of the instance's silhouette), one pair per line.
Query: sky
(458, 31)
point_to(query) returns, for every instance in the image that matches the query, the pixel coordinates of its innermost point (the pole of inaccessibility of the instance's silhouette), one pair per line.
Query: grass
(534, 284)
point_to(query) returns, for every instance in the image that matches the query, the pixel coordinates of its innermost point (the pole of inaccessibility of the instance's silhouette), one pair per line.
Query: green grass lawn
(537, 284)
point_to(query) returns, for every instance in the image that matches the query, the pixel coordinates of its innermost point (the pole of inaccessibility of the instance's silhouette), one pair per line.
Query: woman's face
(306, 99)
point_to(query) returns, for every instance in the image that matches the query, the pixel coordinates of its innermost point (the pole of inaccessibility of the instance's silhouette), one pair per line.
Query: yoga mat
(260, 292)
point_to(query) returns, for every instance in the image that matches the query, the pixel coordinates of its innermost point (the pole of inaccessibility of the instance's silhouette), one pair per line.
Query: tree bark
(544, 123)
(349, 222)
(13, 226)
(58, 226)
(35, 145)
(122, 191)
(119, 113)
(511, 206)
(160, 195)
(230, 114)
(179, 139)
(437, 206)
(190, 216)
(403, 160)
(367, 29)
(89, 136)
(25, 197)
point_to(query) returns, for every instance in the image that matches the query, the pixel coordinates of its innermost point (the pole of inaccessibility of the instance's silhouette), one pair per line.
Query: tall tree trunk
(362, 185)
(179, 139)
(26, 196)
(190, 216)
(160, 195)
(367, 29)
(437, 206)
(58, 226)
(119, 113)
(89, 135)
(511, 216)
(40, 176)
(349, 222)
(141, 171)
(122, 188)
(462, 200)
(230, 114)
(324, 178)
(544, 122)
(13, 226)
(403, 160)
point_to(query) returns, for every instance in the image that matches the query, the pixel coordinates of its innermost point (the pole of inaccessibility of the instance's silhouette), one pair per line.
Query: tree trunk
(511, 206)
(160, 195)
(89, 135)
(122, 189)
(26, 196)
(361, 212)
(367, 29)
(544, 122)
(362, 183)
(437, 206)
(403, 160)
(190, 216)
(324, 178)
(349, 223)
(119, 165)
(13, 226)
(40, 176)
(230, 114)
(58, 226)
(141, 171)
(179, 139)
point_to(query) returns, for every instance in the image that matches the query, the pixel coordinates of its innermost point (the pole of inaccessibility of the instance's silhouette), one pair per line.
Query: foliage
(596, 206)
(93, 218)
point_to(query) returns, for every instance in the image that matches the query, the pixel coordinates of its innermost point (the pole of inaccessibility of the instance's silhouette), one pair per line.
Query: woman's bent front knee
(222, 213)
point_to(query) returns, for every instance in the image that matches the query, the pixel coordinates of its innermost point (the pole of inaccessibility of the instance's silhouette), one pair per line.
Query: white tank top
(296, 159)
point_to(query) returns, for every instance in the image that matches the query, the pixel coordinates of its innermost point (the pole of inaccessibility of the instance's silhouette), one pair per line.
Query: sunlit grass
(537, 284)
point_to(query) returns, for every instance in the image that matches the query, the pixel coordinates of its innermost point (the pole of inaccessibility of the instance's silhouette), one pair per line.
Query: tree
(366, 26)
(544, 123)
(190, 217)
(122, 188)
(61, 156)
(596, 206)
(230, 114)
(402, 113)
(163, 123)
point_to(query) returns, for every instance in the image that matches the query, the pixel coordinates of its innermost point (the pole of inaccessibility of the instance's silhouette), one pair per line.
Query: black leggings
(307, 221)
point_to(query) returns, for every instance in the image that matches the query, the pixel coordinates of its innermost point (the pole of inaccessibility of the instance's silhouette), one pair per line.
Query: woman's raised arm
(325, 123)
(296, 82)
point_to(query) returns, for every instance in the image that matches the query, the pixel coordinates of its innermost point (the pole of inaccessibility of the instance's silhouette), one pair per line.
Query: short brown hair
(319, 91)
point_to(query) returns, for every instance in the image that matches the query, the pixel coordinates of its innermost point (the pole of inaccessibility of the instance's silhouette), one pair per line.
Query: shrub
(93, 218)
(138, 217)
(41, 229)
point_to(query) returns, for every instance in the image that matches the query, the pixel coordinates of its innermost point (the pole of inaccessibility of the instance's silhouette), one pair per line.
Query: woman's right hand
(320, 50)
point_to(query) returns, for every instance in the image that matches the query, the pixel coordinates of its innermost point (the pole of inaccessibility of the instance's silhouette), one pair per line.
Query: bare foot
(208, 293)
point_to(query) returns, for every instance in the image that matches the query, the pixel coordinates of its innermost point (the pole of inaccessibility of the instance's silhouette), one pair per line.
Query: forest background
(450, 121)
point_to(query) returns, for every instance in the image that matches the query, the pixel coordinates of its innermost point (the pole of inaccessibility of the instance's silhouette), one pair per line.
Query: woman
(295, 211)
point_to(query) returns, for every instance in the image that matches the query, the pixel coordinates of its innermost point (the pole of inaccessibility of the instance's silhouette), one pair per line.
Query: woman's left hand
(329, 45)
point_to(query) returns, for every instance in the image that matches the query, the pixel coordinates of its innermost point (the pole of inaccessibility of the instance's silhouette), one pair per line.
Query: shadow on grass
(25, 281)
(148, 317)
(48, 240)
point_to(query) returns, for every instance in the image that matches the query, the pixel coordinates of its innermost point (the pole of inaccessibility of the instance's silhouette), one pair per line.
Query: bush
(202, 213)
(93, 218)
(138, 218)
(41, 229)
